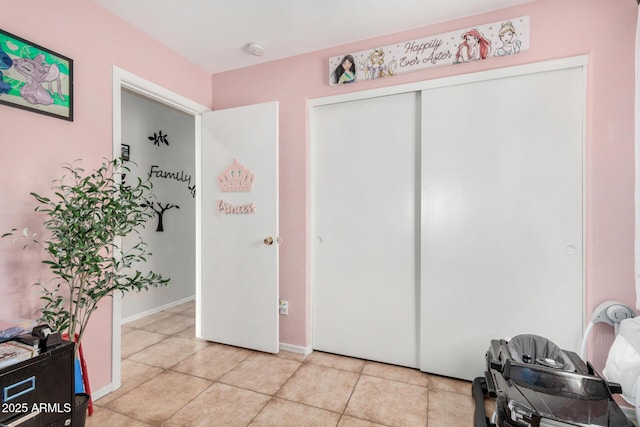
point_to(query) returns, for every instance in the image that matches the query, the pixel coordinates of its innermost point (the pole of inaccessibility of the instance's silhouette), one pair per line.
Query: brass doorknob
(268, 241)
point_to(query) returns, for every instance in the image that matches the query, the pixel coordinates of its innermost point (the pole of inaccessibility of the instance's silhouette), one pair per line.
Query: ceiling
(215, 34)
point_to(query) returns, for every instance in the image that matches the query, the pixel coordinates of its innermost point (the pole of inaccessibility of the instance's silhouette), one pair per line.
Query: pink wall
(34, 146)
(602, 29)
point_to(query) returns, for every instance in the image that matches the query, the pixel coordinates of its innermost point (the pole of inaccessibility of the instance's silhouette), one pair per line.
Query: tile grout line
(351, 395)
(272, 397)
(168, 369)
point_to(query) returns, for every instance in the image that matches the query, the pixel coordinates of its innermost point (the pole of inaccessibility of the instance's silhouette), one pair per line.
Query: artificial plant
(84, 217)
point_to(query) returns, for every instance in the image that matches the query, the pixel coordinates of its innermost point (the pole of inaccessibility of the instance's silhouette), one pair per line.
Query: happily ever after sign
(507, 37)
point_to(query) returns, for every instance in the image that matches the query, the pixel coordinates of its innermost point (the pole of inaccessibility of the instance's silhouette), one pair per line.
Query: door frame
(123, 79)
(580, 61)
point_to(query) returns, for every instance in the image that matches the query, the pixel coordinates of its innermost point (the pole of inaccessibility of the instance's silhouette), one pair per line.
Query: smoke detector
(255, 48)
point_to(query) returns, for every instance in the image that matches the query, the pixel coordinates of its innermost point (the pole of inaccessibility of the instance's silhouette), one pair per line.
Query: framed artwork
(124, 152)
(35, 78)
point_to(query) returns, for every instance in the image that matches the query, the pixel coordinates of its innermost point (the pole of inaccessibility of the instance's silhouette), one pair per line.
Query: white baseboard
(95, 395)
(296, 348)
(157, 309)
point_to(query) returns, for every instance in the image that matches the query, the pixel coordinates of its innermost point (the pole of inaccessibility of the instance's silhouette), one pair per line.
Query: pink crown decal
(236, 178)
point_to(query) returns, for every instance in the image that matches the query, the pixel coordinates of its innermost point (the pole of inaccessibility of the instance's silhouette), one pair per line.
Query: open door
(237, 293)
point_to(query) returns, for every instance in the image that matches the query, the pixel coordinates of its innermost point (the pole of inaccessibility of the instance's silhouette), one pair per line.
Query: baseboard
(296, 348)
(95, 395)
(157, 309)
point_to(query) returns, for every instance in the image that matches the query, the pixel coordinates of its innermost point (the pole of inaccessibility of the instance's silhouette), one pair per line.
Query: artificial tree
(85, 217)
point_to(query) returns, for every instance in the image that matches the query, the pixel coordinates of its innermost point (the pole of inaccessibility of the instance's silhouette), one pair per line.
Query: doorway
(123, 80)
(159, 145)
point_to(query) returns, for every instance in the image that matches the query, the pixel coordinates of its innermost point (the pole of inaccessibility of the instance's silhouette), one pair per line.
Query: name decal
(224, 207)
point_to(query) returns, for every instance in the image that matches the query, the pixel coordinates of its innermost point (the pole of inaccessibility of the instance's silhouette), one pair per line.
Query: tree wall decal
(158, 138)
(160, 210)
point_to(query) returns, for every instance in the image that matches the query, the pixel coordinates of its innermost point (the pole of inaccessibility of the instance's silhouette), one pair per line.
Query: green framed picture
(35, 78)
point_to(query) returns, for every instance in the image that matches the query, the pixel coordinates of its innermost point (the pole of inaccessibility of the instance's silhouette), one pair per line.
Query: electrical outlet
(284, 308)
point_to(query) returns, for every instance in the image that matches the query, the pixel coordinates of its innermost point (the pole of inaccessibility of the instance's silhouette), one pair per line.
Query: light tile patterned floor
(172, 379)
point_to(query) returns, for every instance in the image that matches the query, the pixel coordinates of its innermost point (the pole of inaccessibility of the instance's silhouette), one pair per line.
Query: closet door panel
(501, 238)
(365, 229)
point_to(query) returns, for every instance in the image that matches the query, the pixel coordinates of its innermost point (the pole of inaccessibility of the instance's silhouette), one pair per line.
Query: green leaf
(88, 212)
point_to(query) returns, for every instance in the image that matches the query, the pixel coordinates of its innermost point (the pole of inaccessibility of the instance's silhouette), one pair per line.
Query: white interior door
(237, 294)
(502, 231)
(365, 228)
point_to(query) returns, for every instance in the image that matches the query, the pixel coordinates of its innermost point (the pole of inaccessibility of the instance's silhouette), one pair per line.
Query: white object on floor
(623, 362)
(609, 312)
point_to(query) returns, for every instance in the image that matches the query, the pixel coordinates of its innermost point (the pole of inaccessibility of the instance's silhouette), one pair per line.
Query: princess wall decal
(480, 42)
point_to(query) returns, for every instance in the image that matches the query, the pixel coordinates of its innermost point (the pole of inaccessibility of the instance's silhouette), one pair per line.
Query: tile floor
(170, 378)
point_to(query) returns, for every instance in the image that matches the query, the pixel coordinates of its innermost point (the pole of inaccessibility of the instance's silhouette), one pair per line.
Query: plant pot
(80, 410)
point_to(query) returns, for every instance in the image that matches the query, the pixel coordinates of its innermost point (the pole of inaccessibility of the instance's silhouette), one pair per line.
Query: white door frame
(125, 80)
(551, 65)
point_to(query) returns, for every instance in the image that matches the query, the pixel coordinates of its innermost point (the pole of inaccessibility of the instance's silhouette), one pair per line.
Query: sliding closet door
(365, 228)
(502, 247)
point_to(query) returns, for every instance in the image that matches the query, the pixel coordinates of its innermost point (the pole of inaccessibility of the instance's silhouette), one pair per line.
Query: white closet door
(501, 216)
(365, 229)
